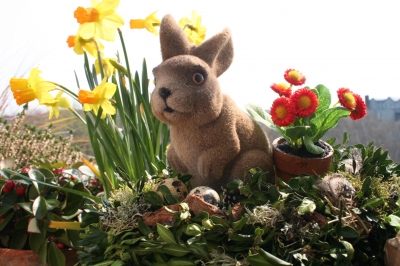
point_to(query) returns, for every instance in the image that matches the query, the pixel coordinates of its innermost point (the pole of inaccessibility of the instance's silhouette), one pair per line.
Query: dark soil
(303, 152)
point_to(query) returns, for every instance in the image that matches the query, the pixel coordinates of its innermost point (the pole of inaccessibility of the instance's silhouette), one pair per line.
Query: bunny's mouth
(168, 109)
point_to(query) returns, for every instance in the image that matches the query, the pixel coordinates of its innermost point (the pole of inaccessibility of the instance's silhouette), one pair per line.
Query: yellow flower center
(283, 86)
(304, 102)
(84, 15)
(280, 112)
(88, 97)
(295, 75)
(350, 100)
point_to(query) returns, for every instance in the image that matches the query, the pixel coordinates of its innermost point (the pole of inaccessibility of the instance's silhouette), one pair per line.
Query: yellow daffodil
(107, 67)
(100, 20)
(81, 45)
(26, 90)
(148, 23)
(56, 103)
(193, 28)
(99, 97)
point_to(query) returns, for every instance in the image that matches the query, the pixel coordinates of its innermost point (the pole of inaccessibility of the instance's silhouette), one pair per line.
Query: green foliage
(132, 142)
(294, 224)
(367, 160)
(38, 198)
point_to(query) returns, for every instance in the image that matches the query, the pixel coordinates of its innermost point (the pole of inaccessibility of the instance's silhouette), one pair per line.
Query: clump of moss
(265, 215)
(125, 211)
(388, 189)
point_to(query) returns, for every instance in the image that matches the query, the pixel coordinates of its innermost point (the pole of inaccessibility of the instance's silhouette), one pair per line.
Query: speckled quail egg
(175, 186)
(210, 195)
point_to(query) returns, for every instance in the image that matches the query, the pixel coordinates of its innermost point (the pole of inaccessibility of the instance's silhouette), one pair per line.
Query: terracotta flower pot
(15, 257)
(288, 166)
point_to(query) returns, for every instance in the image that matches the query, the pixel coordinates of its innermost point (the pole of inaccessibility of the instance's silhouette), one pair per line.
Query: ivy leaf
(181, 262)
(165, 234)
(394, 220)
(257, 260)
(39, 208)
(306, 206)
(144, 228)
(366, 190)
(35, 174)
(272, 259)
(5, 221)
(349, 249)
(4, 209)
(371, 204)
(239, 224)
(36, 238)
(175, 250)
(349, 232)
(193, 229)
(56, 257)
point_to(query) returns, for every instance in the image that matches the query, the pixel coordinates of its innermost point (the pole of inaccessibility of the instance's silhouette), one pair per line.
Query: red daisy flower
(282, 112)
(294, 77)
(305, 102)
(360, 110)
(346, 98)
(282, 89)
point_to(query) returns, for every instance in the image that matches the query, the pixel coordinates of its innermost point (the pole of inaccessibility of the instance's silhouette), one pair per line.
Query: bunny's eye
(198, 78)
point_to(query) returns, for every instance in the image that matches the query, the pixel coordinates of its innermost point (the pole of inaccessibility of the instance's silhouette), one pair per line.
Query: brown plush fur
(211, 138)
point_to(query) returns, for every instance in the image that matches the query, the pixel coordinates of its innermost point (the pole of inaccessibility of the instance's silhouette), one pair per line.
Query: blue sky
(354, 44)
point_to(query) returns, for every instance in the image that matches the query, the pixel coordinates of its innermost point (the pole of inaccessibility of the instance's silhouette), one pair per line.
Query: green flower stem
(66, 90)
(78, 115)
(74, 96)
(338, 102)
(99, 59)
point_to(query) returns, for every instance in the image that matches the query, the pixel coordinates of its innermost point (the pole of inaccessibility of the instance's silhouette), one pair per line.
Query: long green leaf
(175, 250)
(311, 147)
(84, 194)
(272, 259)
(165, 234)
(326, 120)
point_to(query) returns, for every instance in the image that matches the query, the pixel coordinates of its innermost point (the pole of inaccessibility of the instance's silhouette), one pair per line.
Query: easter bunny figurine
(211, 138)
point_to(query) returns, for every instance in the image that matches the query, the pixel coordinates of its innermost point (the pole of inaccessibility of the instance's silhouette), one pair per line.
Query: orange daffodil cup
(35, 87)
(304, 116)
(99, 97)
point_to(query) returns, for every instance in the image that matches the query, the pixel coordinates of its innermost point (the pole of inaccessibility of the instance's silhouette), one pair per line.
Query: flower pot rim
(282, 139)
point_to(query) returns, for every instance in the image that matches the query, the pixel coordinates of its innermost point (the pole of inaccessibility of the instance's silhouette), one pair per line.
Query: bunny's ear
(217, 52)
(172, 38)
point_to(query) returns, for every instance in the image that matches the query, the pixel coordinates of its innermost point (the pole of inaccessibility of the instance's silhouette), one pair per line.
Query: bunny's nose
(164, 93)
